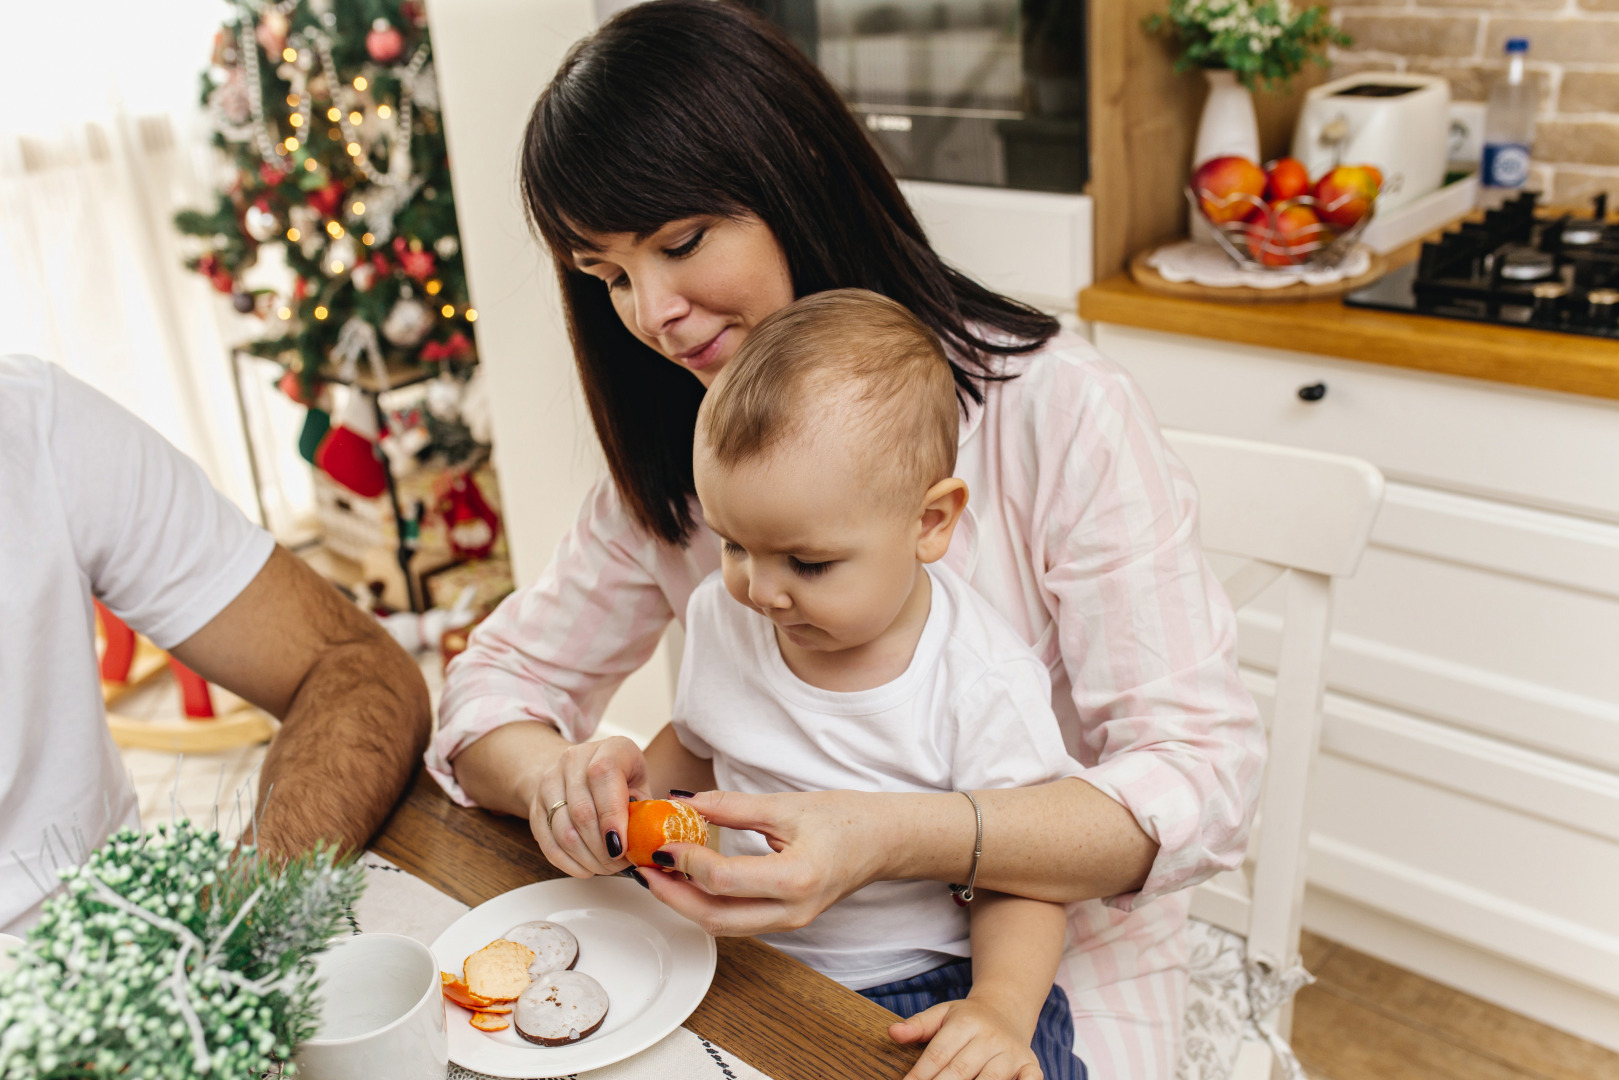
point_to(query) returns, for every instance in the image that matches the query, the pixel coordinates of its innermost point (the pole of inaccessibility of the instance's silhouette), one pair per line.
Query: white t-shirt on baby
(972, 711)
(93, 503)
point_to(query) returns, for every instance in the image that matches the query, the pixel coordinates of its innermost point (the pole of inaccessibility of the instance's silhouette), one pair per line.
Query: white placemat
(394, 902)
(1208, 264)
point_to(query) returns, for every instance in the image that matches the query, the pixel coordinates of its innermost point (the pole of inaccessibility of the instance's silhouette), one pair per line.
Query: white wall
(493, 57)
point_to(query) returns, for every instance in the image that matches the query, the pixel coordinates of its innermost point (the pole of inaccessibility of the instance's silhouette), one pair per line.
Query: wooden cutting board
(1152, 280)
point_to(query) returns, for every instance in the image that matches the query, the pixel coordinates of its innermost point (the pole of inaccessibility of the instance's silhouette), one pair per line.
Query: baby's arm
(670, 766)
(1016, 944)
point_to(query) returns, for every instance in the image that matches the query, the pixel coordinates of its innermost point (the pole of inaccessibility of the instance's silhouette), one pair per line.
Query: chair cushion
(1216, 1003)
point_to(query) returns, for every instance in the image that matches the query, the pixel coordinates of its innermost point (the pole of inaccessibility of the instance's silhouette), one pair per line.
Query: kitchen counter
(1536, 358)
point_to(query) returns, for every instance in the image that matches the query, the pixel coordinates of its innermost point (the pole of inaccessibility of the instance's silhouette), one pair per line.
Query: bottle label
(1506, 165)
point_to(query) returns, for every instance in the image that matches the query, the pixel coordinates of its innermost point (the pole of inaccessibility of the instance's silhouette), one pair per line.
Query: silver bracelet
(963, 894)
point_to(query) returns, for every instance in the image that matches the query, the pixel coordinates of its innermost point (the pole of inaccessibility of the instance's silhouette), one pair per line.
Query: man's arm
(353, 707)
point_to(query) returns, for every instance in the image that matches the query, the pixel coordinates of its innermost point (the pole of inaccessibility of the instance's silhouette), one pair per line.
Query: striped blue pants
(1053, 1041)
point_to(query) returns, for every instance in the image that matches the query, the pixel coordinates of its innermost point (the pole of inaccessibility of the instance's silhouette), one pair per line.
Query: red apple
(1286, 178)
(1228, 188)
(1284, 241)
(1345, 194)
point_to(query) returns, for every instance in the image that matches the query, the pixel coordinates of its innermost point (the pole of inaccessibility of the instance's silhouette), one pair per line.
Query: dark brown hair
(852, 351)
(682, 108)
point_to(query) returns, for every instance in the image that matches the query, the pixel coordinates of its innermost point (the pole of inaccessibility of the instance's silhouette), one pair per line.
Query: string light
(292, 144)
(384, 112)
(284, 313)
(356, 116)
(434, 286)
(294, 235)
(290, 55)
(447, 310)
(335, 229)
(337, 267)
(295, 120)
(360, 83)
(321, 312)
(472, 315)
(368, 239)
(358, 207)
(309, 165)
(292, 101)
(333, 113)
(354, 149)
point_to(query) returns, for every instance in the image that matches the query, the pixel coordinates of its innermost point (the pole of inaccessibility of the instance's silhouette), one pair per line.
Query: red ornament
(416, 264)
(455, 348)
(380, 261)
(271, 175)
(209, 267)
(384, 43)
(470, 523)
(413, 12)
(326, 200)
(292, 386)
(300, 289)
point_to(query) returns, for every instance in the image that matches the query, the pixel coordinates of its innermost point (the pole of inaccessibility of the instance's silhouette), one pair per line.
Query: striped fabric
(1082, 532)
(1053, 1041)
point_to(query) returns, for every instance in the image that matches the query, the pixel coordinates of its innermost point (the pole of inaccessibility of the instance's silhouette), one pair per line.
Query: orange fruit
(656, 822)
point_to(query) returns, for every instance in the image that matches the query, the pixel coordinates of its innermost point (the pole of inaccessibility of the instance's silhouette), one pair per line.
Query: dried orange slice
(499, 970)
(456, 991)
(485, 1021)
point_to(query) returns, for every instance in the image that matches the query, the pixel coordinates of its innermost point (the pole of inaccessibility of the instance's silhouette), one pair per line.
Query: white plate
(654, 964)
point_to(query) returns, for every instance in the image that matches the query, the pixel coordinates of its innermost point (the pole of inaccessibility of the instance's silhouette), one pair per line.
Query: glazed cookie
(560, 1008)
(555, 947)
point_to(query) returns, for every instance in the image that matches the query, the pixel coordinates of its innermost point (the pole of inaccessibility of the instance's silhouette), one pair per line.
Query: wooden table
(784, 1019)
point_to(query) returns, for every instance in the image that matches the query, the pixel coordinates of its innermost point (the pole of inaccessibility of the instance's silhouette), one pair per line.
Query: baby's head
(823, 460)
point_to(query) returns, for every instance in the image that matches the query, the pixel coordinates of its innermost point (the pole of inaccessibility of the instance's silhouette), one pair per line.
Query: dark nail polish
(614, 847)
(639, 880)
(677, 793)
(634, 799)
(663, 858)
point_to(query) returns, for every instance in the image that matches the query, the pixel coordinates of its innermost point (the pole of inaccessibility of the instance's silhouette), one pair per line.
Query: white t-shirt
(93, 503)
(972, 711)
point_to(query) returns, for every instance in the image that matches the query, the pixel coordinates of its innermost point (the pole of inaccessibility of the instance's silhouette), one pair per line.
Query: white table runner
(394, 902)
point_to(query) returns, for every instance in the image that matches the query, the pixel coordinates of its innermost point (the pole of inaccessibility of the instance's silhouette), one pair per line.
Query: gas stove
(1514, 268)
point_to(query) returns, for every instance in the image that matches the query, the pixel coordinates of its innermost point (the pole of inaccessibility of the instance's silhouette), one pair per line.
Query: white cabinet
(1466, 806)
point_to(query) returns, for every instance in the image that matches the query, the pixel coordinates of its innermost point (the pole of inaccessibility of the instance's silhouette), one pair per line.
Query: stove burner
(1526, 264)
(1514, 268)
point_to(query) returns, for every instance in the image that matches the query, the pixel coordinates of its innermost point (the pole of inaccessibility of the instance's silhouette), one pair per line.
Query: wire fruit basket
(1275, 237)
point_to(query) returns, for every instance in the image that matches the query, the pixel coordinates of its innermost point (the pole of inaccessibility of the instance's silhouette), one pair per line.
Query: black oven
(987, 92)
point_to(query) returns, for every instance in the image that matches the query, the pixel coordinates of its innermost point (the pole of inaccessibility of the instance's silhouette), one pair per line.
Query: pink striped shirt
(1082, 532)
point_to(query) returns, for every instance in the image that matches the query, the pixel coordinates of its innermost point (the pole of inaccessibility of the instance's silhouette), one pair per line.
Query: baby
(834, 651)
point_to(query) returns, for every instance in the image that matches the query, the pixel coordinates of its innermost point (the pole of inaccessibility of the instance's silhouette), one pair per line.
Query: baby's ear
(942, 507)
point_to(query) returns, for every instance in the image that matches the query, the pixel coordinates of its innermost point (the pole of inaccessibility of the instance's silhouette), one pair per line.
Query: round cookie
(555, 947)
(560, 1008)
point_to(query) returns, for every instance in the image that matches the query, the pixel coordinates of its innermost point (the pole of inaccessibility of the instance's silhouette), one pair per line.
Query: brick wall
(1573, 61)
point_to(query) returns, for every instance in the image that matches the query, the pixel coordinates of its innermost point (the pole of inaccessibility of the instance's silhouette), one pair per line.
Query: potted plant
(1242, 45)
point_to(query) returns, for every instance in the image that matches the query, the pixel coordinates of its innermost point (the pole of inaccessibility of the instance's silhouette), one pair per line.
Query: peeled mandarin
(656, 822)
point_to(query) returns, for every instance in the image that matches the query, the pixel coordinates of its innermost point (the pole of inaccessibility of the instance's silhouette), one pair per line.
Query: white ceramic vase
(1229, 126)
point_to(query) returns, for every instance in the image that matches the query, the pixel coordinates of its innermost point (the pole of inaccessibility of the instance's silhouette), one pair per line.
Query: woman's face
(694, 289)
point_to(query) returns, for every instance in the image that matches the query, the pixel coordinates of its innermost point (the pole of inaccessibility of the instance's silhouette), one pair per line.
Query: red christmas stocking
(349, 452)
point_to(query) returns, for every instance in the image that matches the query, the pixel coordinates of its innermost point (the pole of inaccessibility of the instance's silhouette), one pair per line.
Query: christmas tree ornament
(292, 385)
(444, 397)
(384, 43)
(229, 107)
(446, 246)
(454, 347)
(260, 223)
(365, 274)
(470, 524)
(272, 32)
(423, 87)
(243, 302)
(349, 453)
(326, 200)
(342, 256)
(413, 260)
(408, 322)
(383, 203)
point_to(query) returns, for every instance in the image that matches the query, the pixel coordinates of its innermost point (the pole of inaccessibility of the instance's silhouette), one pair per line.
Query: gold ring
(551, 813)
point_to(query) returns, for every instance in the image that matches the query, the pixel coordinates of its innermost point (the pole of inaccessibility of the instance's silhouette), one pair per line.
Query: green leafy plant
(1264, 42)
(173, 955)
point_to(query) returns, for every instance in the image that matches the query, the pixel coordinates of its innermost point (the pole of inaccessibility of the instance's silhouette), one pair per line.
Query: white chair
(1306, 515)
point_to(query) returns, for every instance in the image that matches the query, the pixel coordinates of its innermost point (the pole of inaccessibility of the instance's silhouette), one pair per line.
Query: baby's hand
(967, 1039)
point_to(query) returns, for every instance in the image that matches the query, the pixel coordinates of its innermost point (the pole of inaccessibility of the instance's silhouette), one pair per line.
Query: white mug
(382, 1013)
(8, 946)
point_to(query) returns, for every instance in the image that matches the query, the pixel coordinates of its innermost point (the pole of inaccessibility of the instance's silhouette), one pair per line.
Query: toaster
(1399, 123)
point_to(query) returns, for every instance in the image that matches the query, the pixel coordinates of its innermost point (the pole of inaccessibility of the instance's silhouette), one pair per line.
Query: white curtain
(101, 141)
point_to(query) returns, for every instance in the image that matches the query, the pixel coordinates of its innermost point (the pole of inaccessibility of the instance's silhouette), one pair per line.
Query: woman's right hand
(595, 780)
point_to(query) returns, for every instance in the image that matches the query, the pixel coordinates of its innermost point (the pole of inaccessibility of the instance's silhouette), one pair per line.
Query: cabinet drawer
(1530, 447)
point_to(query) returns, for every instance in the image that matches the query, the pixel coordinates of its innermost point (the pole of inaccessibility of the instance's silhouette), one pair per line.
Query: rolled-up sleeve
(1147, 635)
(556, 650)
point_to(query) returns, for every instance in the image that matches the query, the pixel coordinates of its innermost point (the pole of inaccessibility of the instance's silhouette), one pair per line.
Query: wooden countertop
(1541, 359)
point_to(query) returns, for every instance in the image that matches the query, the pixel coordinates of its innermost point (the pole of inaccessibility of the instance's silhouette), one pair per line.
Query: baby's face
(805, 544)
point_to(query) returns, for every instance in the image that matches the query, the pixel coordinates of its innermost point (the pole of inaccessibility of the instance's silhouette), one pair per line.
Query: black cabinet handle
(1313, 392)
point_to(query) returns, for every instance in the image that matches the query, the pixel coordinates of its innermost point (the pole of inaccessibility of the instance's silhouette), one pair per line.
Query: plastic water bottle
(1509, 123)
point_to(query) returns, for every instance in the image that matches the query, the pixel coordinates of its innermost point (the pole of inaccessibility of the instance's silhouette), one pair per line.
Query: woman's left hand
(824, 848)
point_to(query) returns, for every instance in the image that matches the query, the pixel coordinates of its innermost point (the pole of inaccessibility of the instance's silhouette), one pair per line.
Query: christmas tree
(327, 113)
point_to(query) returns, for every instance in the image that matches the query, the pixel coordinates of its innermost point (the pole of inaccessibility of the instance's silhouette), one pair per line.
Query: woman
(691, 173)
